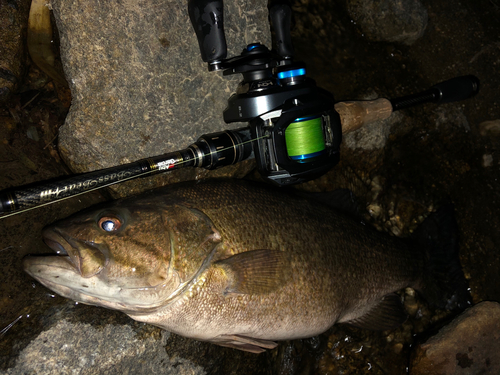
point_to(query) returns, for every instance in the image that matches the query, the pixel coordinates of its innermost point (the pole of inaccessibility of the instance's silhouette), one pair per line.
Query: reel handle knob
(281, 19)
(208, 23)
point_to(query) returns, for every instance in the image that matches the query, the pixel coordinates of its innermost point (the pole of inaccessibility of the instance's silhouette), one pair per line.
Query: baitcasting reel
(296, 129)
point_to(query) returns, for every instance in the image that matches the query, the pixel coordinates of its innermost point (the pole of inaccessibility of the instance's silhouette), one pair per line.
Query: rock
(373, 136)
(13, 26)
(114, 349)
(72, 338)
(139, 85)
(401, 21)
(468, 345)
(487, 160)
(490, 128)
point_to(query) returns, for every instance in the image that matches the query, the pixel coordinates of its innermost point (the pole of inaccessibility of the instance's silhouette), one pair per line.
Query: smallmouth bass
(243, 265)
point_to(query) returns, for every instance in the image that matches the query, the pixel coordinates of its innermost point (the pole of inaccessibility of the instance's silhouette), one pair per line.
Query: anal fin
(247, 344)
(386, 315)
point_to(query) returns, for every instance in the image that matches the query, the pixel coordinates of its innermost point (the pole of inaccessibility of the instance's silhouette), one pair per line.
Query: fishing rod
(295, 128)
(228, 147)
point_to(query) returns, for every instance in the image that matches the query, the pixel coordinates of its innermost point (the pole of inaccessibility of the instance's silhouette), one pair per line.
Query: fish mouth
(57, 273)
(56, 246)
(87, 259)
(74, 272)
(61, 260)
(66, 272)
(60, 246)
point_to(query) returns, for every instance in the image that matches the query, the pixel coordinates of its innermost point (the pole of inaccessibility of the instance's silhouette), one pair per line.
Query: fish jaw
(88, 258)
(58, 273)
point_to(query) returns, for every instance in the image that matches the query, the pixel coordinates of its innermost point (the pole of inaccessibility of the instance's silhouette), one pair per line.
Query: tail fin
(444, 284)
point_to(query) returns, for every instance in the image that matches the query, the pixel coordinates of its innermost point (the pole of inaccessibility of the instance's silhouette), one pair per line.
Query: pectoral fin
(387, 314)
(255, 272)
(247, 344)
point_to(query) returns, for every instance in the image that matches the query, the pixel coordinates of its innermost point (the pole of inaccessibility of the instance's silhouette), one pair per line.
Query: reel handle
(208, 23)
(281, 20)
(355, 114)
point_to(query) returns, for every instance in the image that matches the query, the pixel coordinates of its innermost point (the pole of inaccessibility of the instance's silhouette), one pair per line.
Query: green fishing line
(305, 139)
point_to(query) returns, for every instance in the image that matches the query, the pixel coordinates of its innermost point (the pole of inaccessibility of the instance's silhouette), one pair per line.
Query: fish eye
(109, 223)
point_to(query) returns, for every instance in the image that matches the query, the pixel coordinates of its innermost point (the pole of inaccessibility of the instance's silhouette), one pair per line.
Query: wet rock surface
(139, 85)
(431, 154)
(13, 53)
(468, 345)
(112, 349)
(401, 21)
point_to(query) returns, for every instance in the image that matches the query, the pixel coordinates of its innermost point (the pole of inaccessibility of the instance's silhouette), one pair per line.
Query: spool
(305, 139)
